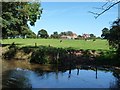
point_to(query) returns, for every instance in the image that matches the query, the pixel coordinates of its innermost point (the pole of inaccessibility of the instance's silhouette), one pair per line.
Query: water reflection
(16, 78)
(116, 84)
(72, 78)
(96, 72)
(77, 71)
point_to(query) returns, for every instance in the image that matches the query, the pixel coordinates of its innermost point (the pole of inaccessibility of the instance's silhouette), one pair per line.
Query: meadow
(75, 44)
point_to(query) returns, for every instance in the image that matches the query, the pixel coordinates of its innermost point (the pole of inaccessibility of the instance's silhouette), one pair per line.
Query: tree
(105, 33)
(62, 33)
(92, 36)
(114, 36)
(43, 33)
(79, 37)
(31, 34)
(55, 35)
(16, 15)
(69, 33)
(105, 7)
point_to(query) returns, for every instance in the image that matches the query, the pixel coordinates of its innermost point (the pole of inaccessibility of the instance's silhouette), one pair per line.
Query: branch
(104, 4)
(98, 8)
(108, 8)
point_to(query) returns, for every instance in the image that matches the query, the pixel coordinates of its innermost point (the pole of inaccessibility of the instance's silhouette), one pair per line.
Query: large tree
(92, 36)
(16, 15)
(114, 36)
(55, 35)
(105, 33)
(43, 33)
(31, 34)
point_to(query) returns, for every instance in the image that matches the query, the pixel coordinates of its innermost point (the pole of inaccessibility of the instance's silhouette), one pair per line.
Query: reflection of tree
(69, 75)
(96, 72)
(56, 75)
(77, 71)
(116, 84)
(15, 79)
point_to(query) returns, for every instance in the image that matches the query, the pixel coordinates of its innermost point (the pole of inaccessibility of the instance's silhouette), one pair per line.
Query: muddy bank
(60, 56)
(51, 55)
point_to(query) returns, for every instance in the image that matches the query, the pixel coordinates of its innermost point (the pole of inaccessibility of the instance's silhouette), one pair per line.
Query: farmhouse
(73, 36)
(85, 36)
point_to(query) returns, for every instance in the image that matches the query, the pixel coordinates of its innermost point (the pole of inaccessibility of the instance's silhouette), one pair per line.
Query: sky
(74, 16)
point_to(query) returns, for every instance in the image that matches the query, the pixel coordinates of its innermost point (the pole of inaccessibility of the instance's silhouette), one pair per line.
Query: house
(73, 36)
(65, 37)
(85, 36)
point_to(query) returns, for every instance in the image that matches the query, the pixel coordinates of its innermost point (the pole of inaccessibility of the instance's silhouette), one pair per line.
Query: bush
(45, 55)
(108, 58)
(39, 56)
(10, 54)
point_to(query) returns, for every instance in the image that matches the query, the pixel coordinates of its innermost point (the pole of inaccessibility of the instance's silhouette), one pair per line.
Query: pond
(73, 78)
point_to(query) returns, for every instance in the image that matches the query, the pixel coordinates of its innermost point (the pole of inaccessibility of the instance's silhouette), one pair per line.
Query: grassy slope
(76, 44)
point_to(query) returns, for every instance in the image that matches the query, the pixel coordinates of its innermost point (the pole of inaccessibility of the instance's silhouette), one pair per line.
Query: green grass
(76, 44)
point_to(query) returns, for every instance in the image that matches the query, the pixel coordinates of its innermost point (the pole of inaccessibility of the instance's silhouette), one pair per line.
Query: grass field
(76, 44)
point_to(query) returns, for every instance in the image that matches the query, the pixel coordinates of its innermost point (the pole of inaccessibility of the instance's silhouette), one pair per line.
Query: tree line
(44, 34)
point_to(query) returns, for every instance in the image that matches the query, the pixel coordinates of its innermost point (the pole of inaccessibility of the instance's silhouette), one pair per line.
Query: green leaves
(105, 33)
(15, 16)
(43, 33)
(114, 37)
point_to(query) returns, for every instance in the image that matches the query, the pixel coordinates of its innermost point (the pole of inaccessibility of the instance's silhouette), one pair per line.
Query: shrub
(38, 56)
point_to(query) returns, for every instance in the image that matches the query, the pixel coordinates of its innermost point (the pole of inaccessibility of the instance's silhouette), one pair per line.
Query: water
(74, 78)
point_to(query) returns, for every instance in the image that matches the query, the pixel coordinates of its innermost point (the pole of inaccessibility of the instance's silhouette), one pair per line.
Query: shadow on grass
(4, 45)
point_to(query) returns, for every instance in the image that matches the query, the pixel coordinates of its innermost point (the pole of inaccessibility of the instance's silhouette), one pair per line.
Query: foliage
(79, 36)
(15, 17)
(69, 33)
(114, 37)
(11, 52)
(55, 35)
(45, 55)
(92, 36)
(108, 58)
(43, 33)
(63, 56)
(31, 35)
(39, 56)
(105, 33)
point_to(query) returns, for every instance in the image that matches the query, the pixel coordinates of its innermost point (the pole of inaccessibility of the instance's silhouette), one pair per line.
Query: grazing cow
(60, 41)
